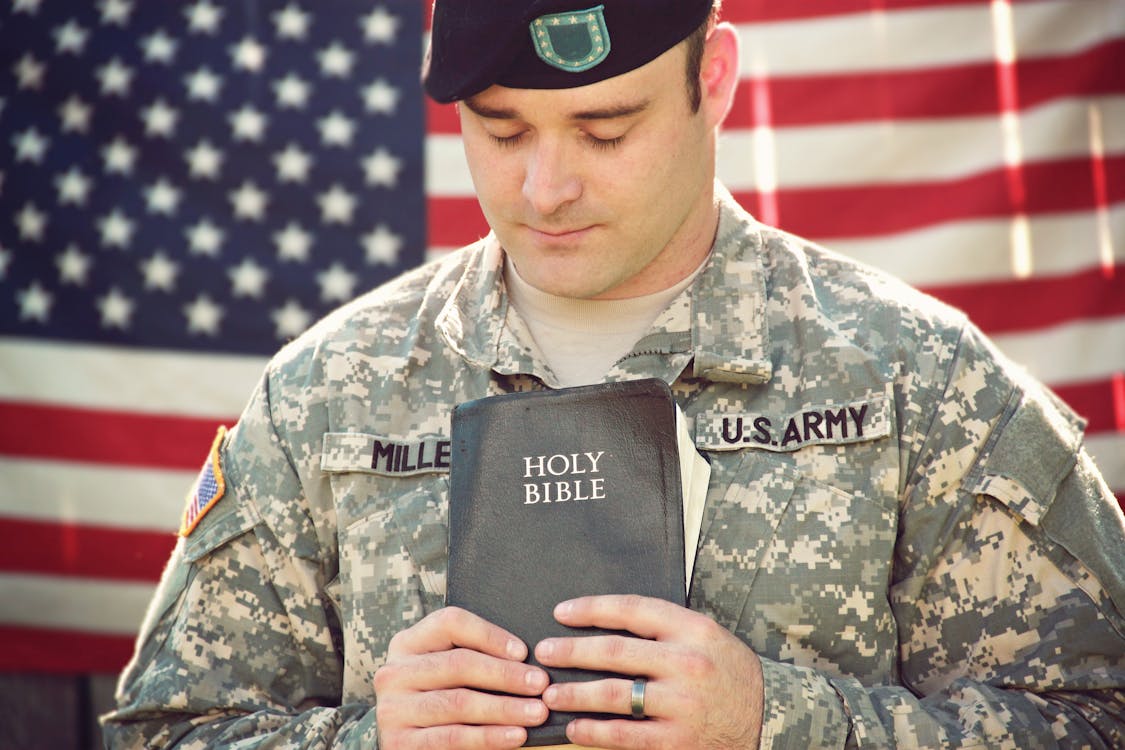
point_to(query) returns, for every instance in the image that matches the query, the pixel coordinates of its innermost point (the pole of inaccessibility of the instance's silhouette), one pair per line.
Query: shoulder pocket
(1029, 453)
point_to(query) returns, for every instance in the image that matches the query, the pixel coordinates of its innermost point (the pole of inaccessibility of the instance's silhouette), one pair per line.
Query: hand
(704, 685)
(428, 693)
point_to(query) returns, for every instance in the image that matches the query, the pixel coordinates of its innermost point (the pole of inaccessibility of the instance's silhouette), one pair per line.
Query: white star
(160, 272)
(203, 316)
(35, 303)
(162, 197)
(31, 222)
(116, 229)
(70, 37)
(203, 85)
(291, 22)
(248, 124)
(116, 12)
(336, 284)
(293, 243)
(74, 266)
(29, 72)
(116, 309)
(205, 238)
(31, 7)
(160, 119)
(381, 97)
(290, 320)
(291, 92)
(203, 17)
(159, 47)
(119, 156)
(75, 115)
(115, 77)
(30, 145)
(382, 246)
(336, 206)
(249, 201)
(292, 164)
(336, 60)
(381, 168)
(336, 130)
(73, 187)
(248, 279)
(379, 26)
(248, 55)
(204, 161)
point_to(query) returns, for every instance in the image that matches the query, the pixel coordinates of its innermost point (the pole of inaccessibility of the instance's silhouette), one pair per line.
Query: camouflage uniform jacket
(905, 528)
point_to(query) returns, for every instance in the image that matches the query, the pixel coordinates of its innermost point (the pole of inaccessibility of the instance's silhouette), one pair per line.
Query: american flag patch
(208, 488)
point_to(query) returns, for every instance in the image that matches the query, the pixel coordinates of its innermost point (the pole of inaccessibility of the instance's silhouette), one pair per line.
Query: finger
(622, 734)
(452, 627)
(611, 653)
(463, 706)
(642, 615)
(460, 667)
(610, 696)
(455, 738)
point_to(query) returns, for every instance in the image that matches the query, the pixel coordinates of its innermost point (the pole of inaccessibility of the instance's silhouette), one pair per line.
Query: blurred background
(185, 186)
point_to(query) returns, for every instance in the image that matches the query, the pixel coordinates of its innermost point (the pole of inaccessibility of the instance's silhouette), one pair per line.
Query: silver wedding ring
(637, 698)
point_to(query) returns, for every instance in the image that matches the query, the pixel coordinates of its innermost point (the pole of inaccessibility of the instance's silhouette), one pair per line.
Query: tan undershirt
(582, 339)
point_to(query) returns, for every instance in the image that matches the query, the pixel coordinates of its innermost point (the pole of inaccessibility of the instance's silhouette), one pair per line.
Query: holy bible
(562, 493)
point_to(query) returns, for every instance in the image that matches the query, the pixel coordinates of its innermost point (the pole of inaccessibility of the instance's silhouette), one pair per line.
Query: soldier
(904, 542)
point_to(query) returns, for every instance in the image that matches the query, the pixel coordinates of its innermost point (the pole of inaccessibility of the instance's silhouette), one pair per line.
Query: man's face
(598, 192)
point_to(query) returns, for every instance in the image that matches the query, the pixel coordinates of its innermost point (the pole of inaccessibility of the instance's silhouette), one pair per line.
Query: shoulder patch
(207, 490)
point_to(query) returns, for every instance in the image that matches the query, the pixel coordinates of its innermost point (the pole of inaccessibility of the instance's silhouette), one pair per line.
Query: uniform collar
(718, 324)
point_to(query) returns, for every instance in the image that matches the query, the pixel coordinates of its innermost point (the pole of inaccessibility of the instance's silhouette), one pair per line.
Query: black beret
(548, 44)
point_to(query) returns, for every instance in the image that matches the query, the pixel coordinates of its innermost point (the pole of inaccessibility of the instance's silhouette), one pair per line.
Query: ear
(718, 73)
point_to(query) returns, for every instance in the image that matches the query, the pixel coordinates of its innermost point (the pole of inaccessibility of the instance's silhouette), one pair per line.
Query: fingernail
(546, 648)
(563, 609)
(533, 710)
(515, 649)
(513, 735)
(535, 679)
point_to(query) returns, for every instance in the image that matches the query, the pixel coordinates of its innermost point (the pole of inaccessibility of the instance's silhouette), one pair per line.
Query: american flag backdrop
(184, 186)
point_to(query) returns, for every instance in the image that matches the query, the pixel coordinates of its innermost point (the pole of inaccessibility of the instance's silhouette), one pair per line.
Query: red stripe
(1097, 401)
(751, 11)
(962, 90)
(68, 549)
(1028, 304)
(826, 213)
(62, 651)
(105, 437)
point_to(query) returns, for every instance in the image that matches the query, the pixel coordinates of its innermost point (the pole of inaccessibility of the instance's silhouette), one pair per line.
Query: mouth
(559, 235)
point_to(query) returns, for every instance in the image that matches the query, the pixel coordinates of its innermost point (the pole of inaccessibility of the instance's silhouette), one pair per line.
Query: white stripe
(1108, 452)
(93, 605)
(1075, 352)
(447, 173)
(976, 251)
(925, 37)
(104, 377)
(96, 495)
(869, 152)
(935, 149)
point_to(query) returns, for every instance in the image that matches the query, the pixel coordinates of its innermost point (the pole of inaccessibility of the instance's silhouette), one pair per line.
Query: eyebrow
(604, 113)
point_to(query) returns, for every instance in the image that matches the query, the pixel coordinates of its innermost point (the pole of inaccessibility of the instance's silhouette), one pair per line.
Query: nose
(550, 182)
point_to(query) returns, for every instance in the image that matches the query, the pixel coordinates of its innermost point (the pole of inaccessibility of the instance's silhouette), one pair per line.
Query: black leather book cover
(562, 493)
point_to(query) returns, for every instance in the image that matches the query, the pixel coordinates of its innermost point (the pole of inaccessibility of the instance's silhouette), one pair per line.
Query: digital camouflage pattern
(953, 577)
